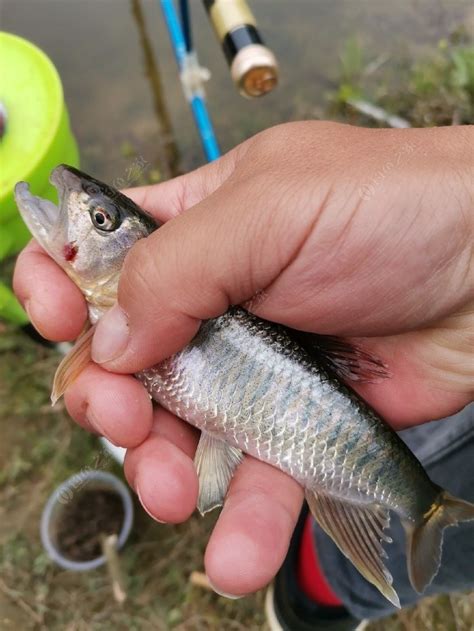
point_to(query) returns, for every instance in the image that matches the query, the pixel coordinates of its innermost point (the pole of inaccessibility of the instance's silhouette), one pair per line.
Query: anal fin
(357, 530)
(215, 462)
(72, 364)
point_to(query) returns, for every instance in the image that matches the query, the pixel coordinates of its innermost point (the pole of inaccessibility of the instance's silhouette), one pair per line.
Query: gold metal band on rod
(253, 66)
(227, 15)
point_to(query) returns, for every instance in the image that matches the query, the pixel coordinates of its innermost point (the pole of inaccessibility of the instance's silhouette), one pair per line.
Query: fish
(256, 387)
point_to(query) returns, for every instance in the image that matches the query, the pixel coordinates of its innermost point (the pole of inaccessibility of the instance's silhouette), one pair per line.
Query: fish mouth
(66, 179)
(40, 215)
(43, 217)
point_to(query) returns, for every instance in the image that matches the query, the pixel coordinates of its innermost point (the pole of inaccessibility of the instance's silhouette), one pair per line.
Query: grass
(436, 90)
(41, 447)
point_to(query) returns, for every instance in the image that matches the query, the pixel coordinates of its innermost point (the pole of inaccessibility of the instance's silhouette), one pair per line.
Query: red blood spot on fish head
(70, 251)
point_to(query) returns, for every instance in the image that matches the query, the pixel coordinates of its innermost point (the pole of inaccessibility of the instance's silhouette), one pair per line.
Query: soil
(89, 516)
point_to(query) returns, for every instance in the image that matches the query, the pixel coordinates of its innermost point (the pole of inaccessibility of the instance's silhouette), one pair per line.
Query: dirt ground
(41, 447)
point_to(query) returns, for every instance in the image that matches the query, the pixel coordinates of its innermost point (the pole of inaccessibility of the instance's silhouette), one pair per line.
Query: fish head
(88, 233)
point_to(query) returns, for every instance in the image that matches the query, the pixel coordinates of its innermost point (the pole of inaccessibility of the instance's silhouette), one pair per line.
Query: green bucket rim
(56, 98)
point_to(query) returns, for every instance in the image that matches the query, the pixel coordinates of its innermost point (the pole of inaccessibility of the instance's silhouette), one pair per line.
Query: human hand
(361, 233)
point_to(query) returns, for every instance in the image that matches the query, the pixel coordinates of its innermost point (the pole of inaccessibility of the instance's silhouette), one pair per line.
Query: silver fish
(254, 387)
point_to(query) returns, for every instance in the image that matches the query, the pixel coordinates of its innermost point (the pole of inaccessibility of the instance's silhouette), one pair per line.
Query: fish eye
(105, 217)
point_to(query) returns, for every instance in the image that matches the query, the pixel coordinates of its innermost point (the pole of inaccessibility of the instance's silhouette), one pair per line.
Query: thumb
(220, 252)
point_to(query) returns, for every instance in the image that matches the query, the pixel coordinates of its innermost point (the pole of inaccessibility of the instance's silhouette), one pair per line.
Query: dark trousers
(446, 449)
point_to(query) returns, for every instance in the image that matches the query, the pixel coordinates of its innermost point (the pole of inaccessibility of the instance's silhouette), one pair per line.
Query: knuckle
(283, 139)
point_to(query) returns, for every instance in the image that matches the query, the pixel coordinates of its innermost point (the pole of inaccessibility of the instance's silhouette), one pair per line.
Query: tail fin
(425, 539)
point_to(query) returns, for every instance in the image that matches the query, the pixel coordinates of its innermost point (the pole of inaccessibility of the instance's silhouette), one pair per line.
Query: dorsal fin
(358, 532)
(341, 357)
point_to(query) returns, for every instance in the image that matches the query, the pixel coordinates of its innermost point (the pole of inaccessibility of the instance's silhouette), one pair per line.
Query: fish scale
(256, 387)
(241, 373)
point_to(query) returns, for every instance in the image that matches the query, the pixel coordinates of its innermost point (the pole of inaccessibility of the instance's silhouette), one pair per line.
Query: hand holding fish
(365, 234)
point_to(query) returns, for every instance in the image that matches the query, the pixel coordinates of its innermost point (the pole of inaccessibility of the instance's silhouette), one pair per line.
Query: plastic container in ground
(60, 501)
(36, 137)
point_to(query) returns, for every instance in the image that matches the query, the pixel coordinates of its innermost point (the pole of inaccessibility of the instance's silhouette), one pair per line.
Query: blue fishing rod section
(186, 24)
(180, 36)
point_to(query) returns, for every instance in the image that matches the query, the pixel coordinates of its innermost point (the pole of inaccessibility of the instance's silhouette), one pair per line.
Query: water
(122, 87)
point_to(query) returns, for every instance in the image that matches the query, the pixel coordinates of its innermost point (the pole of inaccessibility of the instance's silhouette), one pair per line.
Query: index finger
(168, 199)
(54, 304)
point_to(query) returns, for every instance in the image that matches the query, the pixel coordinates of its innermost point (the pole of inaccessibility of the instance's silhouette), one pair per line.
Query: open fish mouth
(43, 217)
(65, 178)
(40, 215)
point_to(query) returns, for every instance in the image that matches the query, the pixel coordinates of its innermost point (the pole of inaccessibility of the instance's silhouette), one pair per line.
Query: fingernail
(111, 336)
(223, 594)
(26, 307)
(97, 425)
(147, 511)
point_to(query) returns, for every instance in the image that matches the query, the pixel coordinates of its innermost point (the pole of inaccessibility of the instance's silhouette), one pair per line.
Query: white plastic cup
(64, 494)
(117, 453)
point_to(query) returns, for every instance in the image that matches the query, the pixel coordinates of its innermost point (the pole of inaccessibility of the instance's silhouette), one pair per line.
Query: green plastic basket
(37, 138)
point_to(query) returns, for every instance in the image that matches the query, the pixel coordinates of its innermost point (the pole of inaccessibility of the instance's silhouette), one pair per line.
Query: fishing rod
(253, 66)
(192, 76)
(168, 152)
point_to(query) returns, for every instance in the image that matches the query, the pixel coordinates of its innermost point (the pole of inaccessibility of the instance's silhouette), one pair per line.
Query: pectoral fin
(358, 532)
(72, 364)
(215, 463)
